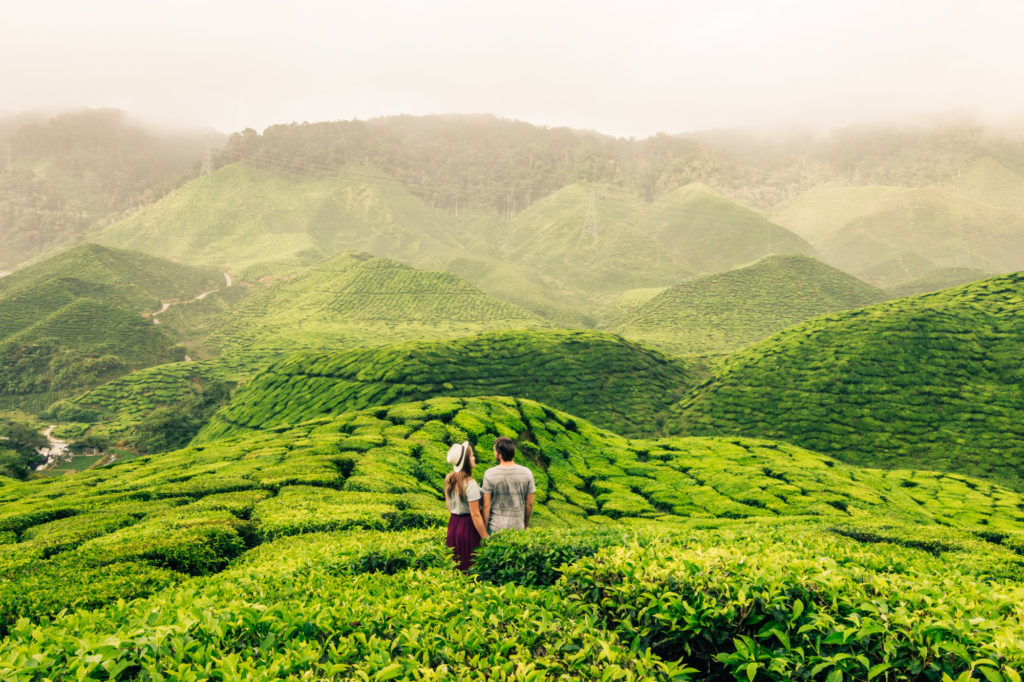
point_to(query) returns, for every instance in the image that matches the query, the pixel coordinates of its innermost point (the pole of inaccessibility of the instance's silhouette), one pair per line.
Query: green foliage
(18, 445)
(600, 377)
(732, 309)
(536, 557)
(929, 382)
(784, 607)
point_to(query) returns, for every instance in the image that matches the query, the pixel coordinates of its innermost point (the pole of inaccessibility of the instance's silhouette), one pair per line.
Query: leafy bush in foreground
(789, 611)
(535, 557)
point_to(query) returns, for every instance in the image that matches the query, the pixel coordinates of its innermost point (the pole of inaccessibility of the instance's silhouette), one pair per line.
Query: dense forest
(60, 175)
(456, 162)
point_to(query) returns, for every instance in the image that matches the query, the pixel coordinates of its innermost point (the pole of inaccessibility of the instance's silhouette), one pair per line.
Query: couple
(507, 494)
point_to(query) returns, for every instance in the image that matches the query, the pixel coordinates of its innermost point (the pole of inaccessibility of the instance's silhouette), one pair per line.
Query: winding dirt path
(166, 305)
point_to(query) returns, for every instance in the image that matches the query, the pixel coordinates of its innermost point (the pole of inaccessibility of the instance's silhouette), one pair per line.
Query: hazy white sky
(627, 69)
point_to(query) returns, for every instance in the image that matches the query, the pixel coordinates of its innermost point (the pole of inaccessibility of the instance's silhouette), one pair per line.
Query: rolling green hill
(358, 300)
(973, 220)
(610, 255)
(931, 382)
(600, 377)
(731, 309)
(133, 281)
(273, 222)
(84, 317)
(317, 546)
(709, 233)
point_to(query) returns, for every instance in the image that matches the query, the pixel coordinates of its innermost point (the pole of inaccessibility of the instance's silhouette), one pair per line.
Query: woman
(462, 496)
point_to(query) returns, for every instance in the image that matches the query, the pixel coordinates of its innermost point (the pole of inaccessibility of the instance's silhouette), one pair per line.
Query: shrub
(536, 556)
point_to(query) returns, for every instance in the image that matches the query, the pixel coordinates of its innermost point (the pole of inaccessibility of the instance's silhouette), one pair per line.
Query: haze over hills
(274, 223)
(929, 382)
(974, 220)
(728, 310)
(603, 378)
(64, 173)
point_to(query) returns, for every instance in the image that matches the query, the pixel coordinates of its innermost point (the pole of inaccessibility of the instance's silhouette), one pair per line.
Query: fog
(622, 70)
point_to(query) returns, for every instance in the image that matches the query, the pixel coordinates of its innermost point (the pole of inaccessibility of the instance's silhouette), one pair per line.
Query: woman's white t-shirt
(459, 505)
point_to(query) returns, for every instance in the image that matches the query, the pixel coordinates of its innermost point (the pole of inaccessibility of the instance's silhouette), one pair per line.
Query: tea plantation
(732, 309)
(603, 378)
(316, 550)
(358, 300)
(929, 382)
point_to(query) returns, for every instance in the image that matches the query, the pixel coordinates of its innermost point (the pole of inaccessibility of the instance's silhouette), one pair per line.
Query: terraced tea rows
(357, 300)
(732, 309)
(614, 383)
(925, 382)
(317, 524)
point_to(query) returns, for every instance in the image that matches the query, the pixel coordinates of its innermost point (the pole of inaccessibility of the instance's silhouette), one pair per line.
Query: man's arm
(528, 512)
(487, 510)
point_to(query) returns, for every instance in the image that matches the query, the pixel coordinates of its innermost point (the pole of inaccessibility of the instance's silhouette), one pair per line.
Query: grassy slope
(240, 218)
(133, 281)
(600, 377)
(731, 309)
(355, 299)
(303, 512)
(548, 238)
(926, 382)
(82, 318)
(710, 233)
(855, 228)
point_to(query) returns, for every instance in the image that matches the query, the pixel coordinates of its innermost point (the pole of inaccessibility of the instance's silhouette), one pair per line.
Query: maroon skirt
(463, 539)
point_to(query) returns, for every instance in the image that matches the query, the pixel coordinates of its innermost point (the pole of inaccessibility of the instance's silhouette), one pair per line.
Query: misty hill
(710, 233)
(358, 300)
(973, 220)
(67, 172)
(929, 382)
(554, 239)
(603, 378)
(940, 278)
(731, 309)
(258, 222)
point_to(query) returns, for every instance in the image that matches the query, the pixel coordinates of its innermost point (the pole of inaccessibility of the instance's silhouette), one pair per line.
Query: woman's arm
(478, 520)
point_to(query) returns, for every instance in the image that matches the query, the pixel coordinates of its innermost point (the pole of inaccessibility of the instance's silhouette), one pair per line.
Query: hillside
(358, 300)
(732, 309)
(609, 381)
(325, 536)
(84, 317)
(66, 173)
(972, 220)
(940, 278)
(584, 254)
(711, 233)
(130, 280)
(259, 222)
(930, 382)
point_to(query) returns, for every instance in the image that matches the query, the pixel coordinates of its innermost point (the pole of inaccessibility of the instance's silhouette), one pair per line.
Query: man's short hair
(505, 448)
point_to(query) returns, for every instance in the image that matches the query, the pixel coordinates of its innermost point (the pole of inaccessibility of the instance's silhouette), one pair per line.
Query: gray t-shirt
(460, 505)
(508, 487)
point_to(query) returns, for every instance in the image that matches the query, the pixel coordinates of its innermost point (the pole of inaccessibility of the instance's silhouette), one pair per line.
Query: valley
(771, 402)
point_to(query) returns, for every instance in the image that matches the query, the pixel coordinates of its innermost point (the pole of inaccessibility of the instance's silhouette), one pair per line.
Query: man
(507, 490)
